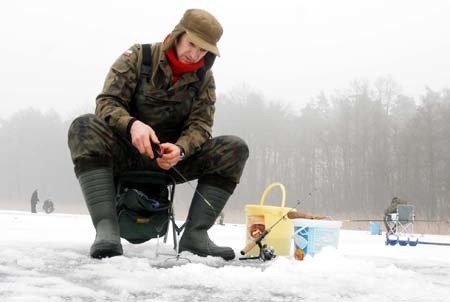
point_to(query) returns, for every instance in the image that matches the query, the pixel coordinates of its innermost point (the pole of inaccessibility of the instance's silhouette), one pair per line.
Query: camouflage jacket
(394, 204)
(180, 113)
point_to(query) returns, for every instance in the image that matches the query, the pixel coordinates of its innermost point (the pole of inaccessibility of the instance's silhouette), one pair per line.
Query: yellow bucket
(261, 218)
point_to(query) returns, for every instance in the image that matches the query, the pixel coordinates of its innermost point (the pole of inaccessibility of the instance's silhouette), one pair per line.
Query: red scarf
(179, 68)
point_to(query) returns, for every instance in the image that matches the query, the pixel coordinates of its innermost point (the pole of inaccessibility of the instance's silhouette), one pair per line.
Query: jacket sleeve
(198, 126)
(113, 104)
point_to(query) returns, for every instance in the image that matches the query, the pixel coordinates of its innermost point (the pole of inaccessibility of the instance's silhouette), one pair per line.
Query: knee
(87, 127)
(80, 124)
(238, 147)
(88, 132)
(90, 143)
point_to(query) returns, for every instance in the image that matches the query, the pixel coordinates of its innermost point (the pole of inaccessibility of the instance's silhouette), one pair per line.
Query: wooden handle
(252, 243)
(293, 214)
(248, 247)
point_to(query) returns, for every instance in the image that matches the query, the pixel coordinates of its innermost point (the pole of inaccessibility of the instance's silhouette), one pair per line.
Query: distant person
(392, 209)
(155, 112)
(34, 200)
(48, 206)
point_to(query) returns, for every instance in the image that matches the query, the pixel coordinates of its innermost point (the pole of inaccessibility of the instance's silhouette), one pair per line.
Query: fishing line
(158, 152)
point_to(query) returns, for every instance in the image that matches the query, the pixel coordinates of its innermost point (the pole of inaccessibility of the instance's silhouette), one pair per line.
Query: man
(34, 201)
(172, 106)
(391, 209)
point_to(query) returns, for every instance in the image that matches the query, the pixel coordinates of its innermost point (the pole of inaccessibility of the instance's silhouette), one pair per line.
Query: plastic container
(261, 217)
(375, 228)
(310, 236)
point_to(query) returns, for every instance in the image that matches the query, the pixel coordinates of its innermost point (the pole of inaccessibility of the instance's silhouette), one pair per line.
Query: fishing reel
(266, 253)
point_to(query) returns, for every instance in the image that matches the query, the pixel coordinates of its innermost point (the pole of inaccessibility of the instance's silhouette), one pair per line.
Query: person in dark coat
(34, 200)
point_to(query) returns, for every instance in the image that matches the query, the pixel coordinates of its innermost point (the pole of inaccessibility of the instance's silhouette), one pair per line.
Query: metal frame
(400, 224)
(155, 178)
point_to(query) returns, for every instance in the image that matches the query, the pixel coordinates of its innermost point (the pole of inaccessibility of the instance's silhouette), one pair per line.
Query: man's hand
(141, 134)
(171, 156)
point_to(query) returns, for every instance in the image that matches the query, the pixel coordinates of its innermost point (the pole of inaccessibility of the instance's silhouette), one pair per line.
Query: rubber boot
(200, 219)
(99, 193)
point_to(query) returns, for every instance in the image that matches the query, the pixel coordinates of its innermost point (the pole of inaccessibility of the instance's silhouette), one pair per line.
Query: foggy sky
(55, 54)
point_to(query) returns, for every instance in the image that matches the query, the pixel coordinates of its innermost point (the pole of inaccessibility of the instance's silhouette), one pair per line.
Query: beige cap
(202, 29)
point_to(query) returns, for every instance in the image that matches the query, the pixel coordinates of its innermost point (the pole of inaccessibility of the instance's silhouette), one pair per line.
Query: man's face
(188, 52)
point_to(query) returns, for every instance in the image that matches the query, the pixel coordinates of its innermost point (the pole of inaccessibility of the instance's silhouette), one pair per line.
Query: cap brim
(194, 38)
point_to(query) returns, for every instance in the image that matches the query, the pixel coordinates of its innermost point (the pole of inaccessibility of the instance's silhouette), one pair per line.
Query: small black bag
(142, 217)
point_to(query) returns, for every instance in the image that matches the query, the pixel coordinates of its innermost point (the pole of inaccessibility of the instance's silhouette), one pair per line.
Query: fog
(55, 54)
(346, 99)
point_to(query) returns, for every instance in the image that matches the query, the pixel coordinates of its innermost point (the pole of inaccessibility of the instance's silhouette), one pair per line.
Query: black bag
(142, 216)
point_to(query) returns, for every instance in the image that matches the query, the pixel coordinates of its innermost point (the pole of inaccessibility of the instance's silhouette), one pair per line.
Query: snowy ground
(45, 258)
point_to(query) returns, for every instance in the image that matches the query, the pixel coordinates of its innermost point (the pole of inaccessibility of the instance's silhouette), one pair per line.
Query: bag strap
(146, 66)
(145, 71)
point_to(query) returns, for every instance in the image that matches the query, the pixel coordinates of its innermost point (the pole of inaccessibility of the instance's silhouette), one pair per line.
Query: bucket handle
(268, 188)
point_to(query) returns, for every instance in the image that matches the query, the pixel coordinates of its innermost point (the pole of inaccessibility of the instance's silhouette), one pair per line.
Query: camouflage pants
(93, 144)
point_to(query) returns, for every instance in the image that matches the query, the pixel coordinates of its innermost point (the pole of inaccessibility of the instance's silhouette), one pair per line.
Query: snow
(45, 258)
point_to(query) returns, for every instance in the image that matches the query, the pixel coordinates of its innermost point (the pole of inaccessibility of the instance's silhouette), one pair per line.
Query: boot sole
(227, 257)
(105, 249)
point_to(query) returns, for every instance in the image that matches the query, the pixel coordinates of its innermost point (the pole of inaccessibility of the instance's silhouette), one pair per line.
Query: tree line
(345, 155)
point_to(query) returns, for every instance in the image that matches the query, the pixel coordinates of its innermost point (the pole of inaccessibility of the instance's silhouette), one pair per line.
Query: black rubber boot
(200, 219)
(99, 194)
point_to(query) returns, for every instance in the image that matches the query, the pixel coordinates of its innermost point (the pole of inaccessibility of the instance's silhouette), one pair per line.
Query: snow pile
(45, 258)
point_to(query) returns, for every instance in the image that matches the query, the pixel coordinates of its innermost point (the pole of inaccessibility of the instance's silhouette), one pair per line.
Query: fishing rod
(158, 152)
(381, 220)
(433, 243)
(267, 253)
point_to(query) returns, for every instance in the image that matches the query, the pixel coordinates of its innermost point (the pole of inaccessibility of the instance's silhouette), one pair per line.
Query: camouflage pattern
(181, 113)
(93, 144)
(390, 210)
(393, 206)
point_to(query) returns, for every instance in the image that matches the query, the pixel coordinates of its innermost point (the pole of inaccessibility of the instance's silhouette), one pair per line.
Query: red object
(178, 68)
